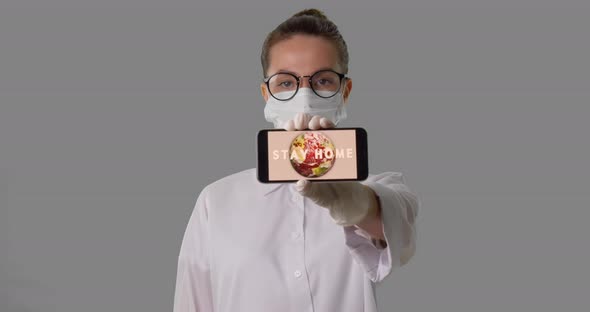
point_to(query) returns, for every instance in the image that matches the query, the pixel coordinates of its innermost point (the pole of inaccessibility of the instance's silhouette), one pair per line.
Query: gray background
(114, 114)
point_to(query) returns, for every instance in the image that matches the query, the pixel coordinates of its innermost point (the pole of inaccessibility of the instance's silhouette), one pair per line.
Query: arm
(193, 287)
(378, 216)
(372, 224)
(395, 219)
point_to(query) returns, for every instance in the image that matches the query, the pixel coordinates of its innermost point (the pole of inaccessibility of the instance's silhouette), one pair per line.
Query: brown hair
(310, 22)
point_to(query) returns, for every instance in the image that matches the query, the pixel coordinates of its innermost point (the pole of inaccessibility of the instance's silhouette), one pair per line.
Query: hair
(309, 22)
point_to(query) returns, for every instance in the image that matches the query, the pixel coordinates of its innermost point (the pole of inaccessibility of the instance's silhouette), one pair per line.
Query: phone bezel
(361, 148)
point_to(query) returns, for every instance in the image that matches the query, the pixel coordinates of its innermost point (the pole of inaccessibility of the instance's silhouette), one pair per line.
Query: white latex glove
(347, 201)
(303, 121)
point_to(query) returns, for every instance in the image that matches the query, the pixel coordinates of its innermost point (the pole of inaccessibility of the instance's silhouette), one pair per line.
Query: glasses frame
(298, 78)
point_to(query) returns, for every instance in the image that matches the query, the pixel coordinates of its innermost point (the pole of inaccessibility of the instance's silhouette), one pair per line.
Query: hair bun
(311, 12)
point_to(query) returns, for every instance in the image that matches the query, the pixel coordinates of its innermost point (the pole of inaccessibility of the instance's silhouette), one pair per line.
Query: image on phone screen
(327, 154)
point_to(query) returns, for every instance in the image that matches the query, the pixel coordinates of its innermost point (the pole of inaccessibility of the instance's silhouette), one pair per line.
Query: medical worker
(304, 246)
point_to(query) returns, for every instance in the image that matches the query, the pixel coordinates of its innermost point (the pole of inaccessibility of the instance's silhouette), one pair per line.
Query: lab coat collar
(268, 188)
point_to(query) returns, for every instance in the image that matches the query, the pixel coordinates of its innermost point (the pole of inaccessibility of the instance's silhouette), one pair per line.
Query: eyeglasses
(324, 83)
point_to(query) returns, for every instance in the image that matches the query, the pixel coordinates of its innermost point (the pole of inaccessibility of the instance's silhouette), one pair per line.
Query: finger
(289, 125)
(301, 121)
(314, 123)
(310, 189)
(322, 194)
(306, 188)
(301, 186)
(326, 123)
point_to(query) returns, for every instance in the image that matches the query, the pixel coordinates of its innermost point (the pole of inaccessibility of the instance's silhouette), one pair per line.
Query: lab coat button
(297, 274)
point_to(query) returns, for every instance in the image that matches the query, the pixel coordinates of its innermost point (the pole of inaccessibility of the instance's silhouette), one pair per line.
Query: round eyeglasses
(324, 83)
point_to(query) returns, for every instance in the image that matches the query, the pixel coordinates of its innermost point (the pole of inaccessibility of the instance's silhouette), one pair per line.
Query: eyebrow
(294, 73)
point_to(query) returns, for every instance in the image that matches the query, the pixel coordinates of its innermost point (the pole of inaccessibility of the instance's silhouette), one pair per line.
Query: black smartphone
(335, 154)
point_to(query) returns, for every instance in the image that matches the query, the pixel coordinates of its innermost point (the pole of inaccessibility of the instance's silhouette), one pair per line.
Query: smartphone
(335, 154)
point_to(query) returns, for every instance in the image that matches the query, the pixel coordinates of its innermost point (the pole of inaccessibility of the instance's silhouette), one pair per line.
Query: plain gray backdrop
(114, 114)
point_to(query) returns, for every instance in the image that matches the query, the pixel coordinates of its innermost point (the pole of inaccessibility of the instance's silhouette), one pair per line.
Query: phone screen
(312, 154)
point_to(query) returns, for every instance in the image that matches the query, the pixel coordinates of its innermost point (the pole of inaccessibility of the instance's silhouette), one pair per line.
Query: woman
(259, 247)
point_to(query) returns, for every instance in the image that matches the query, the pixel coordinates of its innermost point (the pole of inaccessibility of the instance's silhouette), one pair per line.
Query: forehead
(303, 55)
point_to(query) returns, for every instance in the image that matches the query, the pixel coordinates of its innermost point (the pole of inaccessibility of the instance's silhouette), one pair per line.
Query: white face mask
(305, 101)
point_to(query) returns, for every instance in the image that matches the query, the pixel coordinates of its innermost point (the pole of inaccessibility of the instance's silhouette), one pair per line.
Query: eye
(286, 84)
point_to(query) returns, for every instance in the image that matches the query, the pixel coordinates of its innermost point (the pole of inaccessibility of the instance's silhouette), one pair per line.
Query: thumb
(321, 193)
(302, 187)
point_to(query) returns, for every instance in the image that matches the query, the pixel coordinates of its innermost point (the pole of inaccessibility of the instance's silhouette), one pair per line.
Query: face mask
(305, 101)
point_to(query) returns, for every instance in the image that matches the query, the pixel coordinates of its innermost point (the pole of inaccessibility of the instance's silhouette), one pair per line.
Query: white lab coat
(257, 247)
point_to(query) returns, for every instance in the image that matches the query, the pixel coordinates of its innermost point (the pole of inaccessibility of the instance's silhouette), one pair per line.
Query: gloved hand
(347, 201)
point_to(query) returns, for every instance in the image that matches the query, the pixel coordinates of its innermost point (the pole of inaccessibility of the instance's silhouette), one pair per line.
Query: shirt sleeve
(193, 283)
(399, 209)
